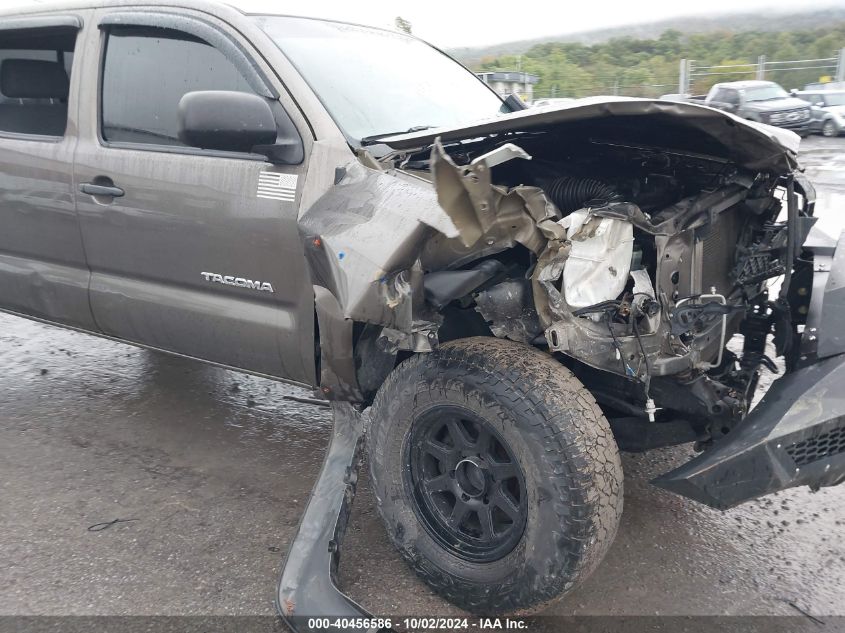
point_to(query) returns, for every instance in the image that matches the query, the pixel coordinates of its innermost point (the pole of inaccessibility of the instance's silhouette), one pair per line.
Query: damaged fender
(363, 237)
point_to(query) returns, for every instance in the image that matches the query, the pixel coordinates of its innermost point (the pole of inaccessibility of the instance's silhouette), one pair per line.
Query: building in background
(508, 82)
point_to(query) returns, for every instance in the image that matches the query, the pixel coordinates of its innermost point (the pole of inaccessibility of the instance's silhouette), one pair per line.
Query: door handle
(101, 190)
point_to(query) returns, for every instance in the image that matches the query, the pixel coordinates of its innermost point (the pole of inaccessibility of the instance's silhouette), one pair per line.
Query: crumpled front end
(630, 239)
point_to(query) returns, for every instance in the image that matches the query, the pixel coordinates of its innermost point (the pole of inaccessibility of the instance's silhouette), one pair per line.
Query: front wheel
(495, 472)
(830, 129)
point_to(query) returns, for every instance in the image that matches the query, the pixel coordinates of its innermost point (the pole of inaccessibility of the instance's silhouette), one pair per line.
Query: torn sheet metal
(363, 238)
(479, 208)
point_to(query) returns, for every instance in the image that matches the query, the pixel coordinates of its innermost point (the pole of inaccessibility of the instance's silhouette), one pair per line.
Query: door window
(145, 74)
(35, 80)
(726, 95)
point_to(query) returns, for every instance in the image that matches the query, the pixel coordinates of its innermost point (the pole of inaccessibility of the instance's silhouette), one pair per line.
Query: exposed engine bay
(632, 247)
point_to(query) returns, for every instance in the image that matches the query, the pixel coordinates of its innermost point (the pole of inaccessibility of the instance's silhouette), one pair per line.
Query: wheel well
(373, 363)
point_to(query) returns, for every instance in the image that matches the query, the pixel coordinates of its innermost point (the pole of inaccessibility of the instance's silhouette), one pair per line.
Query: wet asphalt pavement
(211, 469)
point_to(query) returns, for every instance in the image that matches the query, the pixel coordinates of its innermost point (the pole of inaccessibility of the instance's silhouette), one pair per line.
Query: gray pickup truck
(498, 299)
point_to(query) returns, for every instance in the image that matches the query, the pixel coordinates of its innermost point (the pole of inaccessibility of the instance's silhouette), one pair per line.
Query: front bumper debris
(307, 587)
(795, 436)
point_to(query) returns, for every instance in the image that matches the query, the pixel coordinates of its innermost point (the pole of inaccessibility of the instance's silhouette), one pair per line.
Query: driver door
(173, 233)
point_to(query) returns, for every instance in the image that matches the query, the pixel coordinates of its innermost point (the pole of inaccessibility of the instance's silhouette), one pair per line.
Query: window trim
(35, 138)
(41, 22)
(105, 25)
(204, 30)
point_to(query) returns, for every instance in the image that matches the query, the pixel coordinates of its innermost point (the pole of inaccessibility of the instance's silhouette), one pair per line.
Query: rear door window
(35, 67)
(145, 74)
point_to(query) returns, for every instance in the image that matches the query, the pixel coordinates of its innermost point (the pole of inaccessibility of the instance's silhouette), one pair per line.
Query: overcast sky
(450, 23)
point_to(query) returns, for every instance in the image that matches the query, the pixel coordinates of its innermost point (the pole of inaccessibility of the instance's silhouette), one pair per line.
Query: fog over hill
(735, 22)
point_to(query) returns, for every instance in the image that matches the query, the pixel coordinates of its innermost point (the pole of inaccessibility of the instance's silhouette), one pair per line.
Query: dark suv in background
(762, 101)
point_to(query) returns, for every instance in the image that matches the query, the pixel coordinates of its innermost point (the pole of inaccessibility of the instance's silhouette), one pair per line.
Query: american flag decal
(276, 186)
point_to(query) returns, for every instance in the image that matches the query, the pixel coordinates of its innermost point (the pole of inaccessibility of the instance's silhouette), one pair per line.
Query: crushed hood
(676, 126)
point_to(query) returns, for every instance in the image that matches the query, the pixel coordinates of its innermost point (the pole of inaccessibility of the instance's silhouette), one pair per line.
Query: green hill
(648, 66)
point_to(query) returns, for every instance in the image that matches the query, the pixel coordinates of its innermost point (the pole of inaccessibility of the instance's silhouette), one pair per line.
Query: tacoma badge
(241, 282)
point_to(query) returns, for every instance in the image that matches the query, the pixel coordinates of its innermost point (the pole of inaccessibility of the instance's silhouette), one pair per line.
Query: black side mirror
(234, 122)
(515, 103)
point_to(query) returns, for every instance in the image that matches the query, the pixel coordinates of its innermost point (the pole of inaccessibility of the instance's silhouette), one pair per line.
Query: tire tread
(584, 468)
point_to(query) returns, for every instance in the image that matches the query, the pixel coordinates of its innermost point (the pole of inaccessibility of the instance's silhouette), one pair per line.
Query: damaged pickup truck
(499, 299)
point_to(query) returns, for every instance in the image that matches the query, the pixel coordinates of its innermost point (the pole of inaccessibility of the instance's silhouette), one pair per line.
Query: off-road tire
(560, 438)
(829, 129)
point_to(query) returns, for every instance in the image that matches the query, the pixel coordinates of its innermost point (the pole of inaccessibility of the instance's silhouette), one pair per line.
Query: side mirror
(229, 121)
(819, 104)
(515, 103)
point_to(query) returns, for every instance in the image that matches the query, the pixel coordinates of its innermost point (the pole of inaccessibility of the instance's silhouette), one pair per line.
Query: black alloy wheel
(468, 490)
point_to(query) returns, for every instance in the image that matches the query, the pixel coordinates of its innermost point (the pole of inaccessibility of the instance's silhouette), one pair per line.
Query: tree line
(649, 67)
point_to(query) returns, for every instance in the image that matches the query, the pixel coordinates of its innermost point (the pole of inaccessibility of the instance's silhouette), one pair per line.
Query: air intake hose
(570, 193)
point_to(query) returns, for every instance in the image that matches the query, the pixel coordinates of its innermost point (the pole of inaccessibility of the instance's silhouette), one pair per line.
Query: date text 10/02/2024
(424, 623)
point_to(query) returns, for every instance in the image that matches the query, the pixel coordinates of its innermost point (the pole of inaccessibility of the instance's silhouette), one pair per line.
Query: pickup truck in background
(761, 101)
(504, 298)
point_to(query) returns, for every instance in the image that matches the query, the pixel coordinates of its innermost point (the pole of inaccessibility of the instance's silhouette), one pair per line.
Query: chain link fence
(696, 79)
(612, 86)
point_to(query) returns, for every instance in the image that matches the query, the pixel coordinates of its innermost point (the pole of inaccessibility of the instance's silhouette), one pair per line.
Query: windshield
(376, 82)
(764, 93)
(836, 99)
